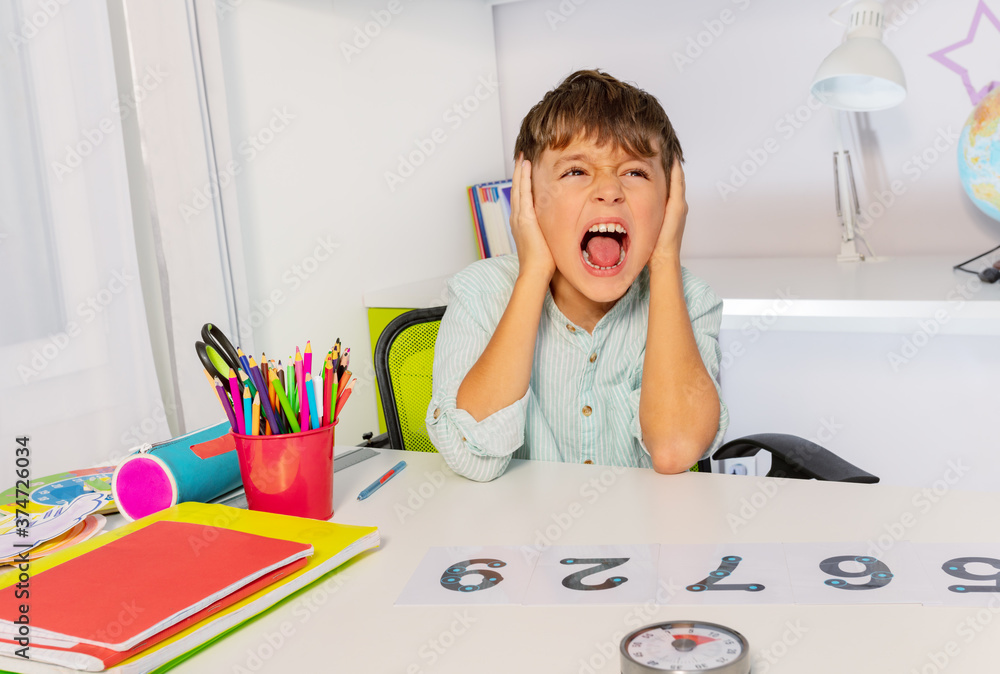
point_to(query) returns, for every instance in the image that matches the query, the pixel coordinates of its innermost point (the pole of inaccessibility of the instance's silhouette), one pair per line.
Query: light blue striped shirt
(582, 404)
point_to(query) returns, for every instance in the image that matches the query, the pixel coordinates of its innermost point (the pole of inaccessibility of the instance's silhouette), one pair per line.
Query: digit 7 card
(725, 573)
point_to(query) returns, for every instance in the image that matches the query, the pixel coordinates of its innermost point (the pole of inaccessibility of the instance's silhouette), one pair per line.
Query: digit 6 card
(855, 573)
(724, 573)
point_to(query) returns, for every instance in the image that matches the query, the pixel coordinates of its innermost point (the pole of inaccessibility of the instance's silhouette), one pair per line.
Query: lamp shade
(862, 74)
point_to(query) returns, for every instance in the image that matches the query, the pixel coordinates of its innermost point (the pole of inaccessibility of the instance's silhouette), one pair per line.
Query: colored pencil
(243, 358)
(328, 401)
(342, 385)
(313, 419)
(300, 386)
(274, 401)
(285, 404)
(247, 412)
(223, 398)
(307, 357)
(234, 390)
(336, 357)
(348, 390)
(245, 381)
(265, 403)
(255, 409)
(267, 391)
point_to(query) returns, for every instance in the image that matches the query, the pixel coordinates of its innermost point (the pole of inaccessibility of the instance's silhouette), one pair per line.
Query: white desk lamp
(860, 75)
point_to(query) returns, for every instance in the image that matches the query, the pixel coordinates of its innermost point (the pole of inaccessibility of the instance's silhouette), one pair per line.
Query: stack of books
(490, 206)
(162, 587)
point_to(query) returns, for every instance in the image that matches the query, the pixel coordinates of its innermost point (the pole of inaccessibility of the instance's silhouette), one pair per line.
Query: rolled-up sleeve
(705, 312)
(478, 450)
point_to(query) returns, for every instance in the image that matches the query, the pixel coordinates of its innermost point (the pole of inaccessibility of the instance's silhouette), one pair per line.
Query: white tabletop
(349, 622)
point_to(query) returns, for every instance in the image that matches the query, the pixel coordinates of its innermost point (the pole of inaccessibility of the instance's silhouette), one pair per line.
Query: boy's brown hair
(604, 109)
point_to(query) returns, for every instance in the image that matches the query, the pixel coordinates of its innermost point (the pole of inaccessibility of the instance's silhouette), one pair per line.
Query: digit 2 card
(594, 574)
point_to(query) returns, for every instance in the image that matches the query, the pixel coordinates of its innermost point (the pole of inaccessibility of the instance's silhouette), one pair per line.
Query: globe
(979, 155)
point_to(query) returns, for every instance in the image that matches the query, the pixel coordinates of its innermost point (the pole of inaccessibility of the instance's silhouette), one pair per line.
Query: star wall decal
(976, 94)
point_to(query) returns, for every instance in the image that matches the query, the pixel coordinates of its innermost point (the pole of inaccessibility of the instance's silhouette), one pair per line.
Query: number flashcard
(725, 573)
(594, 574)
(948, 574)
(845, 573)
(468, 576)
(962, 574)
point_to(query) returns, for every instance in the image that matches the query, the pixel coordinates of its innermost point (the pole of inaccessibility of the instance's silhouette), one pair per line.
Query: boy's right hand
(533, 254)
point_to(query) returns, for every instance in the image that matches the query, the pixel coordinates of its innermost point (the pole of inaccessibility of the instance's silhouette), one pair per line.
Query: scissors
(216, 352)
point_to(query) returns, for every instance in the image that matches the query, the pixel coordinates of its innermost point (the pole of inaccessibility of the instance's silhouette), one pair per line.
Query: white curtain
(76, 369)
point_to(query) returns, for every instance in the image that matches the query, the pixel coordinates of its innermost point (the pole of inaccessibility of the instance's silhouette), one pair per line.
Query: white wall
(728, 99)
(322, 178)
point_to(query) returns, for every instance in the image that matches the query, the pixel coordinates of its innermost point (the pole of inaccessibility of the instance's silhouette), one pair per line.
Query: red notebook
(95, 659)
(125, 592)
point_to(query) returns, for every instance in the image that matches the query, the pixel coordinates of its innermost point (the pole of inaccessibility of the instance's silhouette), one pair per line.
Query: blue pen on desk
(373, 487)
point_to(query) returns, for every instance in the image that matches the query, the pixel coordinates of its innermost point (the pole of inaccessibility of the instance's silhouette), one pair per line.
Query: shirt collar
(635, 291)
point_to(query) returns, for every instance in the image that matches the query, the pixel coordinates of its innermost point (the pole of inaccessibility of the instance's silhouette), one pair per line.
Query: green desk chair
(404, 364)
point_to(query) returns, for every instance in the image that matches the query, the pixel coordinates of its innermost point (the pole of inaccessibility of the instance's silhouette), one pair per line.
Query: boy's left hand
(668, 245)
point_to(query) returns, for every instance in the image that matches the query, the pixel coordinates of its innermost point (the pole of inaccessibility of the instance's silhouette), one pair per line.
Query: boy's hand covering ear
(668, 245)
(533, 254)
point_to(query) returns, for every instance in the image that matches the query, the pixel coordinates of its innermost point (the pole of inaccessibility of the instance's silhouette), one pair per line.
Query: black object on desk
(795, 457)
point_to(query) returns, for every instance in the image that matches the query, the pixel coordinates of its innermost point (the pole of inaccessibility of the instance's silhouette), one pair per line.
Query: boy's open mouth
(604, 246)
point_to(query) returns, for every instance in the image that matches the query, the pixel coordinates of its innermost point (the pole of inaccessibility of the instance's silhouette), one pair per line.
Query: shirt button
(593, 357)
(587, 410)
(437, 412)
(570, 328)
(588, 462)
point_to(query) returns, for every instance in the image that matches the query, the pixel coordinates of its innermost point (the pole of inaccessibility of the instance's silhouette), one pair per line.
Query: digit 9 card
(469, 576)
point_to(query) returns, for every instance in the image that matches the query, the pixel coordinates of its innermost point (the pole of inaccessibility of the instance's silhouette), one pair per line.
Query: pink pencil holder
(289, 474)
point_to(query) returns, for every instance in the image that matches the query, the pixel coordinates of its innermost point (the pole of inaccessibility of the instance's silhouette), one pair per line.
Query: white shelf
(818, 294)
(822, 294)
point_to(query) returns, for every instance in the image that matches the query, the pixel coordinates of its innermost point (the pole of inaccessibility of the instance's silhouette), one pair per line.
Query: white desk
(349, 623)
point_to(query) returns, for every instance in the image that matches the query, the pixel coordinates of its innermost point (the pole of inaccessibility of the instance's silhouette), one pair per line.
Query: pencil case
(199, 466)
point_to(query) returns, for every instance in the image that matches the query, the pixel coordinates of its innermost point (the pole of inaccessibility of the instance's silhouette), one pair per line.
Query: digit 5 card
(961, 574)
